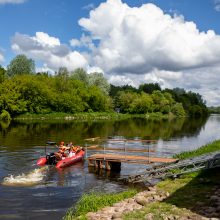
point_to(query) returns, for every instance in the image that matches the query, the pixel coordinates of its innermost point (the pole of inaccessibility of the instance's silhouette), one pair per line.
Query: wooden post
(108, 165)
(91, 163)
(96, 164)
(101, 165)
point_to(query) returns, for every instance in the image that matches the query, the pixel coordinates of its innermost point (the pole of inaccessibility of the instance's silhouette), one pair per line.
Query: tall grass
(94, 201)
(212, 147)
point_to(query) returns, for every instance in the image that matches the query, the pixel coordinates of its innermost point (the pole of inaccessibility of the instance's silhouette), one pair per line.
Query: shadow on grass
(197, 195)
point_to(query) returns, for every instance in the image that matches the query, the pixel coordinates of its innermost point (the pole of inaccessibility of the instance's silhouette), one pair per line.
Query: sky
(175, 43)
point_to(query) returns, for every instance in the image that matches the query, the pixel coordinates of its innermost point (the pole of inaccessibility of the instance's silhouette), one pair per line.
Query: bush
(5, 116)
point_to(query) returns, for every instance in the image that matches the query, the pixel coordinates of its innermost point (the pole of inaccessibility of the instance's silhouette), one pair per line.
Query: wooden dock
(108, 161)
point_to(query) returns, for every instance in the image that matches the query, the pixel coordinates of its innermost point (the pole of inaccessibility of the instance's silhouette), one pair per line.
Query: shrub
(5, 116)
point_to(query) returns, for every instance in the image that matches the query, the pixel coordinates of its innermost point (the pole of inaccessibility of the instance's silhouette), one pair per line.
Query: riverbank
(192, 196)
(91, 116)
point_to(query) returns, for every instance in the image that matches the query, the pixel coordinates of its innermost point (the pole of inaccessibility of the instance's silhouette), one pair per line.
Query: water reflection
(22, 134)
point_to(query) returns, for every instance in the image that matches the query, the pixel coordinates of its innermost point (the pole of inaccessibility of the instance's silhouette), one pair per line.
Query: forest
(23, 90)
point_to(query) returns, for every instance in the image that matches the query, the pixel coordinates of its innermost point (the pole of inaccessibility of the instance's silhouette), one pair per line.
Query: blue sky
(115, 38)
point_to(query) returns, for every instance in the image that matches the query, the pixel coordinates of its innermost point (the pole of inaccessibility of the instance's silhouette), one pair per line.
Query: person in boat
(62, 147)
(72, 152)
(70, 144)
(61, 153)
(76, 149)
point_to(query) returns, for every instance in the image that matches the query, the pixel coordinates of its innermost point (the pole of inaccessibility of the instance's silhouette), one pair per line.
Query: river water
(30, 192)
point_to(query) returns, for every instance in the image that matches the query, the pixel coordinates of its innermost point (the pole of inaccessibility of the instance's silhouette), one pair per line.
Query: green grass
(212, 147)
(95, 201)
(158, 209)
(185, 192)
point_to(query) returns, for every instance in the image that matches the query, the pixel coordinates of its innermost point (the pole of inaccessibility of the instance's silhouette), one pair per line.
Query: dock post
(107, 165)
(101, 166)
(96, 164)
(90, 163)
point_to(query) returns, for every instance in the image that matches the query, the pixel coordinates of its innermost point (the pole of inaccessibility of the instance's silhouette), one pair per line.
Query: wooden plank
(127, 158)
(119, 149)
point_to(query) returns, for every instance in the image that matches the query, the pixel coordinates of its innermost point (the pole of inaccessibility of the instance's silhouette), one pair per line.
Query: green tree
(97, 79)
(63, 72)
(80, 74)
(124, 101)
(115, 89)
(98, 101)
(2, 74)
(62, 80)
(193, 103)
(142, 104)
(149, 87)
(178, 110)
(11, 98)
(5, 116)
(20, 65)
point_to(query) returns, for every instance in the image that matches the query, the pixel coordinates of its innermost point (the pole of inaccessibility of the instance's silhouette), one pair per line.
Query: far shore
(91, 116)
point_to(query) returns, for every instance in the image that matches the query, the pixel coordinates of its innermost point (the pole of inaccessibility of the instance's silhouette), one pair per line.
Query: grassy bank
(77, 116)
(91, 116)
(212, 147)
(95, 201)
(187, 193)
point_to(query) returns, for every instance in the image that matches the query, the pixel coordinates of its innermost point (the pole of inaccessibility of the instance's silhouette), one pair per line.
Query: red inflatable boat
(66, 161)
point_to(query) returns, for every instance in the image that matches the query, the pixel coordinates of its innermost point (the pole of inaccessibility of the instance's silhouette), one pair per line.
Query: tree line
(22, 90)
(214, 110)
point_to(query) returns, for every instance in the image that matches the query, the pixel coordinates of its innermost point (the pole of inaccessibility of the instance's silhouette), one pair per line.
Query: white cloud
(120, 80)
(2, 59)
(85, 41)
(12, 1)
(89, 6)
(143, 44)
(94, 69)
(44, 68)
(75, 43)
(217, 5)
(45, 40)
(49, 50)
(141, 39)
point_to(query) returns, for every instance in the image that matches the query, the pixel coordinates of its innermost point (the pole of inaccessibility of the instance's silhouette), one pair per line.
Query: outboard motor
(51, 160)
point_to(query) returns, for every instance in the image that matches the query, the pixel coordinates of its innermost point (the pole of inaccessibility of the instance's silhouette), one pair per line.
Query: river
(30, 192)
